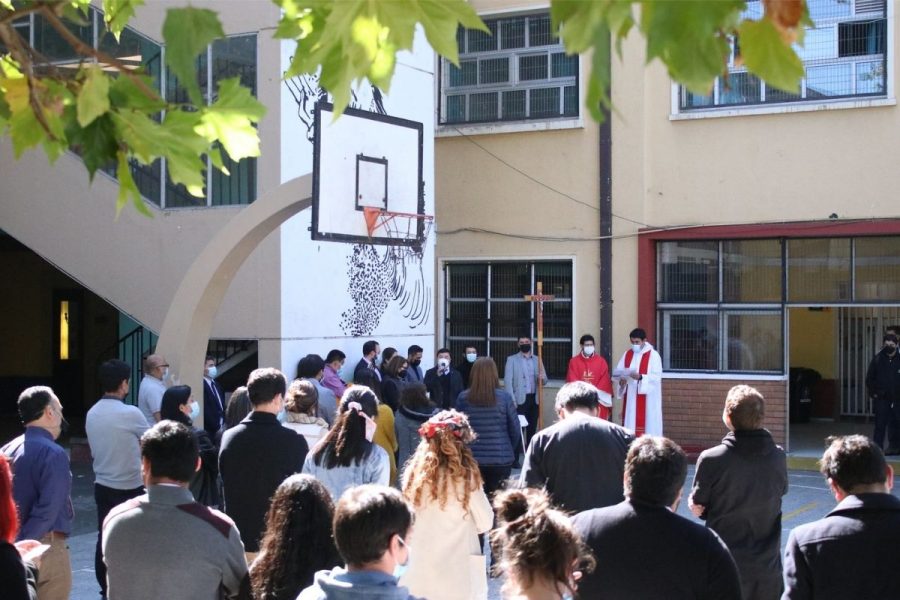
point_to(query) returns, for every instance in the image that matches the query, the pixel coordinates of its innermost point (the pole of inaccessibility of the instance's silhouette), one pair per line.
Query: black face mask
(415, 363)
(525, 348)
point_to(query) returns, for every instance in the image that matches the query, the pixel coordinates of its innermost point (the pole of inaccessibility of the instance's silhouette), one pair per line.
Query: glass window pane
(539, 33)
(739, 88)
(754, 342)
(514, 104)
(465, 74)
(751, 271)
(861, 38)
(510, 280)
(483, 42)
(235, 57)
(562, 65)
(775, 95)
(688, 272)
(819, 270)
(556, 358)
(818, 43)
(827, 9)
(456, 109)
(510, 319)
(148, 179)
(557, 319)
(499, 350)
(533, 67)
(691, 341)
(135, 50)
(570, 101)
(176, 93)
(494, 70)
(239, 186)
(483, 107)
(177, 196)
(877, 268)
(512, 33)
(467, 319)
(49, 43)
(461, 39)
(543, 102)
(692, 100)
(467, 281)
(556, 278)
(870, 77)
(828, 81)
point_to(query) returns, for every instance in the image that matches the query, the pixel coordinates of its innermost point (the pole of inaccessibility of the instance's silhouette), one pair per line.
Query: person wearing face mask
(257, 455)
(213, 399)
(471, 354)
(639, 375)
(883, 385)
(373, 525)
(522, 376)
(414, 358)
(590, 367)
(347, 457)
(153, 386)
(42, 488)
(444, 383)
(178, 404)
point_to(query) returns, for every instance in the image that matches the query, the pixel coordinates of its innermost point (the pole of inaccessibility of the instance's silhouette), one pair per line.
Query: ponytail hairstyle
(9, 521)
(442, 458)
(346, 444)
(535, 542)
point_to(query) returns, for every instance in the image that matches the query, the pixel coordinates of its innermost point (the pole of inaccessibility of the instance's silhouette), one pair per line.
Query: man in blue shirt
(42, 488)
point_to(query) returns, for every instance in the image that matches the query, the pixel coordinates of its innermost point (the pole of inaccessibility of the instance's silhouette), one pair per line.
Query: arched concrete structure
(188, 323)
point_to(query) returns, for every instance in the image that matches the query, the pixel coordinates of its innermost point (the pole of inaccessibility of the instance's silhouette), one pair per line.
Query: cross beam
(539, 298)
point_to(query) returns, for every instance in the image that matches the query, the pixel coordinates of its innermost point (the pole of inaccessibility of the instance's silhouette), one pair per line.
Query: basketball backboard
(366, 160)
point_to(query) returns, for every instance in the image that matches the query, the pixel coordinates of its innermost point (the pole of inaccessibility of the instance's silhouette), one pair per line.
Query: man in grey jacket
(521, 378)
(371, 526)
(164, 544)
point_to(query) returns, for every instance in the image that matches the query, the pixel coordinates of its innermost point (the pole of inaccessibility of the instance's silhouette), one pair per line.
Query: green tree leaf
(230, 120)
(187, 32)
(768, 56)
(93, 99)
(127, 188)
(97, 144)
(117, 13)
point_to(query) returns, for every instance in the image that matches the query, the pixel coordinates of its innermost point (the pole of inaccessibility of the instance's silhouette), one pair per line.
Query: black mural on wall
(376, 275)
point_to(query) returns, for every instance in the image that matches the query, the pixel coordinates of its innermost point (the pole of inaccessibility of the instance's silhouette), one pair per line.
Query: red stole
(640, 413)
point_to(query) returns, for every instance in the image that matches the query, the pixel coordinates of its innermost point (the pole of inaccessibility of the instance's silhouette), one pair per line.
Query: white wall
(329, 299)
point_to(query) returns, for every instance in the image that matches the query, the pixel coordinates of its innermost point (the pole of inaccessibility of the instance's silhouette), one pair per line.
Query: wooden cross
(539, 299)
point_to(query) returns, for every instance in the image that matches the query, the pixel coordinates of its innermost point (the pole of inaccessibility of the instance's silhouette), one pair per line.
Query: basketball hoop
(398, 225)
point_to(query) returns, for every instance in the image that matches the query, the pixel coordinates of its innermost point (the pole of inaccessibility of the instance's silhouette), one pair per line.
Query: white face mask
(471, 356)
(370, 428)
(588, 350)
(443, 363)
(637, 348)
(165, 374)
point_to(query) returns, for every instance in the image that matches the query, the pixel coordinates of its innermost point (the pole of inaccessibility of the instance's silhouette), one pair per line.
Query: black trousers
(529, 410)
(107, 498)
(494, 478)
(886, 419)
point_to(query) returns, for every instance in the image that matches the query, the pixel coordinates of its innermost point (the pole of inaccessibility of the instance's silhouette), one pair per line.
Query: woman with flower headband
(443, 483)
(346, 456)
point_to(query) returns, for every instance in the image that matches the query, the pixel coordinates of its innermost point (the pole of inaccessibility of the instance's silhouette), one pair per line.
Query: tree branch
(102, 57)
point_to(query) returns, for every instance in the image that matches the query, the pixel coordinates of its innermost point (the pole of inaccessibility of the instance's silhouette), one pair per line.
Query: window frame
(679, 111)
(445, 92)
(484, 343)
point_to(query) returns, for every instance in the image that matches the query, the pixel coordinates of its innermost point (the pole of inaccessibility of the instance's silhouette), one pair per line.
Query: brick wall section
(692, 410)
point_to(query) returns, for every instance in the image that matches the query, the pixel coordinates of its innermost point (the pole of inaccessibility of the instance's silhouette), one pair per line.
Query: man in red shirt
(589, 367)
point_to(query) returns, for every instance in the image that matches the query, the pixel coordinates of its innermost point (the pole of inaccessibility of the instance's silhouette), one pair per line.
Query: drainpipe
(605, 171)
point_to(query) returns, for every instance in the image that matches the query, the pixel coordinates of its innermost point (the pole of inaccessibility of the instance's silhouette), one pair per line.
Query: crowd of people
(320, 488)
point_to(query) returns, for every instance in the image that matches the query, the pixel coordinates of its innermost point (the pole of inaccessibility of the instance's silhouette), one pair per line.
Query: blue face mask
(282, 415)
(400, 569)
(195, 411)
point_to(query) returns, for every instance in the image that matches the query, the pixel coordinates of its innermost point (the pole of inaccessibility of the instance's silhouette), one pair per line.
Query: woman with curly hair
(536, 547)
(442, 482)
(346, 456)
(301, 403)
(297, 542)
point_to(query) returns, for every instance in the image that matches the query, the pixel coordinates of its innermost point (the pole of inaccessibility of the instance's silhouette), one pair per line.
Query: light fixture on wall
(64, 330)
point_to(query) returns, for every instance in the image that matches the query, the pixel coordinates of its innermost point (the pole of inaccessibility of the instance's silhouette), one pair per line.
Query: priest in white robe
(639, 382)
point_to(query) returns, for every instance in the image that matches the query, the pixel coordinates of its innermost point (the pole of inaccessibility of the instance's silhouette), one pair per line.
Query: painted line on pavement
(799, 511)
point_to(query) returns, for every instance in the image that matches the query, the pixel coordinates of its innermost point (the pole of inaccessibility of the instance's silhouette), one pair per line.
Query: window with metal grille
(518, 72)
(228, 57)
(485, 307)
(844, 55)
